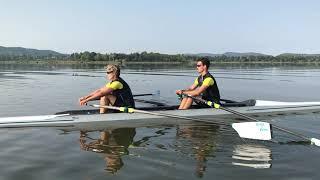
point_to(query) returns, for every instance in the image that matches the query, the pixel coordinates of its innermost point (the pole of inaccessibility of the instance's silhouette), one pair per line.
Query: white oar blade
(253, 130)
(315, 141)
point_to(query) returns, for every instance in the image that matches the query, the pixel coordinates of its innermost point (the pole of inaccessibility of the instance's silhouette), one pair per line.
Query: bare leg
(104, 136)
(106, 101)
(103, 101)
(183, 101)
(186, 103)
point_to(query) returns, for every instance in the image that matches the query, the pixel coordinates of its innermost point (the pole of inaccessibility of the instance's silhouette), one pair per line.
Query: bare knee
(103, 100)
(111, 99)
(186, 103)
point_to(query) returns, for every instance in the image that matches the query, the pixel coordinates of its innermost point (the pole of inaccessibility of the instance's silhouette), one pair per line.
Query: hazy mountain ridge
(299, 55)
(20, 51)
(247, 54)
(230, 54)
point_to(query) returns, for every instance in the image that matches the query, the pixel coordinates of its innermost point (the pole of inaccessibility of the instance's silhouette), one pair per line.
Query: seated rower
(204, 86)
(116, 92)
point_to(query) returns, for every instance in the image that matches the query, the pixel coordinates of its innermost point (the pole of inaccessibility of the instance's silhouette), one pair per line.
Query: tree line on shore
(157, 57)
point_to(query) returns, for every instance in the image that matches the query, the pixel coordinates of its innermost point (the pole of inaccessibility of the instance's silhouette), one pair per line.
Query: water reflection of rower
(202, 140)
(113, 144)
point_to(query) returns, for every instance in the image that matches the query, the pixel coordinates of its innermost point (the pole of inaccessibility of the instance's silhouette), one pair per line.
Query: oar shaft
(237, 113)
(150, 102)
(165, 115)
(147, 94)
(247, 117)
(157, 93)
(131, 110)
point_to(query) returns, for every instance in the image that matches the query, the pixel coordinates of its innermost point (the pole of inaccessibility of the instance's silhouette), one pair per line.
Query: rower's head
(113, 71)
(203, 64)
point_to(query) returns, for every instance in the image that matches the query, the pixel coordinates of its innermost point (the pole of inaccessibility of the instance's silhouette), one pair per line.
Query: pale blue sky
(165, 26)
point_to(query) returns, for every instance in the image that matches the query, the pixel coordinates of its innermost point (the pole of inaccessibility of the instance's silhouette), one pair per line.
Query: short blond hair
(113, 68)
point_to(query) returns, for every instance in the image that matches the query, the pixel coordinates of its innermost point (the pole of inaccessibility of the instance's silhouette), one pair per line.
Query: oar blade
(253, 130)
(315, 141)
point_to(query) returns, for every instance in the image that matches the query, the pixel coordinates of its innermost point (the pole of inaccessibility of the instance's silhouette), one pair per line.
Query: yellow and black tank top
(212, 92)
(122, 91)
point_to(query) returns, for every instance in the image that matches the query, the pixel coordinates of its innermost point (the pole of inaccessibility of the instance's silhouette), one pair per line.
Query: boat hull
(118, 120)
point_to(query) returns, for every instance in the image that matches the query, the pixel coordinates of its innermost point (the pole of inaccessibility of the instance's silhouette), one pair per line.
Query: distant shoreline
(66, 62)
(62, 62)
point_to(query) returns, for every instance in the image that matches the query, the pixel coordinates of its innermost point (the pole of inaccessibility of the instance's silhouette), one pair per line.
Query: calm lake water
(183, 151)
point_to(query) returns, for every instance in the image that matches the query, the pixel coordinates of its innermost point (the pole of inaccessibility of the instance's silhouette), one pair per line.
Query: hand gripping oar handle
(218, 106)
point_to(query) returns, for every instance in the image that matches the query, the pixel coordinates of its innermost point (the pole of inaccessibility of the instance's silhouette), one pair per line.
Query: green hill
(19, 51)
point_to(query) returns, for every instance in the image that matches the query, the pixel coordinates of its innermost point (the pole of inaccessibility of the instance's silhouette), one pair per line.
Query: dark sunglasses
(198, 65)
(109, 72)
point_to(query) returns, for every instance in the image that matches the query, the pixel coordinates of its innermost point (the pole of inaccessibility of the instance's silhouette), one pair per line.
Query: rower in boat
(204, 86)
(116, 92)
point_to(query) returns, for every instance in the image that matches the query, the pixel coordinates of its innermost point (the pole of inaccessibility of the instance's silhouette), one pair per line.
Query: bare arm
(97, 94)
(196, 92)
(192, 87)
(89, 95)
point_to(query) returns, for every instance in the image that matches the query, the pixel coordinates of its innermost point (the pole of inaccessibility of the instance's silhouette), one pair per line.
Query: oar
(150, 102)
(218, 106)
(133, 110)
(156, 93)
(146, 94)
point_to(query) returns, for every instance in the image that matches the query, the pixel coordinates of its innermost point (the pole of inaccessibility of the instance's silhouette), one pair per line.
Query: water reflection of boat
(112, 143)
(252, 155)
